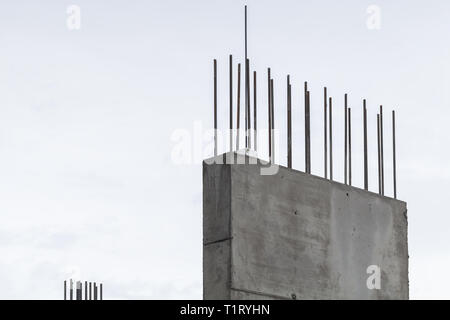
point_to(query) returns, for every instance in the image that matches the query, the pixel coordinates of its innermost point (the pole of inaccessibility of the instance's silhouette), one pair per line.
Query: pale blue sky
(87, 184)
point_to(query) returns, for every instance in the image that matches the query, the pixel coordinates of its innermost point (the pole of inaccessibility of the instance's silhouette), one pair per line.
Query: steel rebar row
(97, 290)
(327, 133)
(252, 135)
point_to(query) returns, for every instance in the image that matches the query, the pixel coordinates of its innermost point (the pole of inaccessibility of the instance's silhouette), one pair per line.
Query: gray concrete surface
(298, 236)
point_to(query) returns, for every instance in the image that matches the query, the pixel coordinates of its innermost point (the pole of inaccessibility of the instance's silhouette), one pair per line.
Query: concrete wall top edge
(224, 159)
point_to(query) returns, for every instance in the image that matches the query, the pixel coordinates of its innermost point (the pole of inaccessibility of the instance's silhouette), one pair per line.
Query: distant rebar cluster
(327, 125)
(91, 290)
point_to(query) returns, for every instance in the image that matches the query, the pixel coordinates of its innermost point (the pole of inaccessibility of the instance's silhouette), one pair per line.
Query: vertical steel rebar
(273, 119)
(79, 290)
(349, 146)
(101, 291)
(305, 102)
(231, 103)
(394, 155)
(366, 174)
(249, 126)
(90, 290)
(379, 155)
(307, 131)
(215, 107)
(289, 124)
(65, 289)
(381, 150)
(238, 112)
(255, 112)
(71, 290)
(245, 32)
(308, 96)
(269, 116)
(345, 139)
(330, 102)
(85, 290)
(246, 83)
(325, 134)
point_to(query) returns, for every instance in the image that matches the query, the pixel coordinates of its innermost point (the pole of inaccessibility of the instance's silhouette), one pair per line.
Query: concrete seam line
(217, 241)
(260, 293)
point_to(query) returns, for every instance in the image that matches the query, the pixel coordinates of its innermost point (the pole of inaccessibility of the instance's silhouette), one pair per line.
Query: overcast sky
(88, 185)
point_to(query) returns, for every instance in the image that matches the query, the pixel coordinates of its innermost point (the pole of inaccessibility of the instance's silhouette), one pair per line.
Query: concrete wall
(298, 236)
